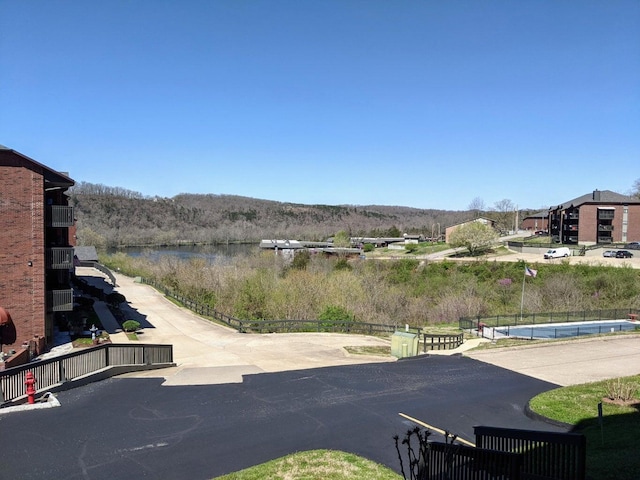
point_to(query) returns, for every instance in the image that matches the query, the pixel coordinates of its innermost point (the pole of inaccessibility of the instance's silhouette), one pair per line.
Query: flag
(530, 272)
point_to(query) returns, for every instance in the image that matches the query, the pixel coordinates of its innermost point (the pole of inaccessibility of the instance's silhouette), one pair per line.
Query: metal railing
(470, 463)
(59, 370)
(60, 300)
(515, 319)
(548, 455)
(60, 258)
(276, 326)
(60, 216)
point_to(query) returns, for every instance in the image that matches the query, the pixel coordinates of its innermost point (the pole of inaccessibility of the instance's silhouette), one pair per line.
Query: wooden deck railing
(59, 370)
(545, 455)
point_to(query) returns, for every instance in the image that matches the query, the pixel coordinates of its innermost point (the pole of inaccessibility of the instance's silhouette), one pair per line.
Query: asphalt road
(138, 428)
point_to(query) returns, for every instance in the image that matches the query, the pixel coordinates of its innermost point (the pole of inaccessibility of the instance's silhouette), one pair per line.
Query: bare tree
(504, 215)
(476, 206)
(635, 189)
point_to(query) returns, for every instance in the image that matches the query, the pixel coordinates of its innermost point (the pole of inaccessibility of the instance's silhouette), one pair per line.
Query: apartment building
(36, 251)
(599, 217)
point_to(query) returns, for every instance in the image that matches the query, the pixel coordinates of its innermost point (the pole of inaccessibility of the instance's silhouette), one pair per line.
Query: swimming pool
(566, 330)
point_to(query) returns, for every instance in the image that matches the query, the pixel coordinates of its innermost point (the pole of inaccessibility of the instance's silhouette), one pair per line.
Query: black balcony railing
(59, 216)
(60, 300)
(60, 258)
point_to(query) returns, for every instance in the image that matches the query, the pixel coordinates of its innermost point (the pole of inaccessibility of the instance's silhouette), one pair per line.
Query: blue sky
(426, 104)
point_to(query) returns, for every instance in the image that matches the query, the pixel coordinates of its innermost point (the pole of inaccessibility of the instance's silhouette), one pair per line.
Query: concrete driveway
(207, 353)
(570, 362)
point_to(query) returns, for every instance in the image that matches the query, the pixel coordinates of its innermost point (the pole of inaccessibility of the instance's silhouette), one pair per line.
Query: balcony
(606, 214)
(605, 228)
(604, 239)
(59, 216)
(572, 216)
(60, 258)
(60, 300)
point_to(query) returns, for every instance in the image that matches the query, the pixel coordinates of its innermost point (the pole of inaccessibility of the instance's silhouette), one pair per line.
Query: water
(210, 253)
(566, 330)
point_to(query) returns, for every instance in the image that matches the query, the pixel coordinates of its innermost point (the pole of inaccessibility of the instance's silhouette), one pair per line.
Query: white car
(609, 253)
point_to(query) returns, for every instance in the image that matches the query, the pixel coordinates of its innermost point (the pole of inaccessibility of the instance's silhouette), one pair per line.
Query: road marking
(436, 429)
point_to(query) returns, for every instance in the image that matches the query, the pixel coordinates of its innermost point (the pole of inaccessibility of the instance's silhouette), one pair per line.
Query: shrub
(368, 247)
(130, 326)
(412, 247)
(619, 390)
(335, 313)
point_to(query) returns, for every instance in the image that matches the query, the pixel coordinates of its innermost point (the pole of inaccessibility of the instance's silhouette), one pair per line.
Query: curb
(48, 400)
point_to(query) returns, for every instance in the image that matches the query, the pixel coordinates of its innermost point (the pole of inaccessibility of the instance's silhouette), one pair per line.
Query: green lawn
(316, 465)
(613, 451)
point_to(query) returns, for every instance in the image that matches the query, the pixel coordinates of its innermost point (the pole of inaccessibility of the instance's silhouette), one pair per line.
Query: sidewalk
(208, 353)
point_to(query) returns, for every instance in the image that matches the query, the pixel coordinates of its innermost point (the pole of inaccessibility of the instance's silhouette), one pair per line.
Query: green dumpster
(404, 344)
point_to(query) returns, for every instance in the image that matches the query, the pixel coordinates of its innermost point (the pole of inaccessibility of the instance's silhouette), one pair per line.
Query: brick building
(36, 252)
(536, 222)
(600, 217)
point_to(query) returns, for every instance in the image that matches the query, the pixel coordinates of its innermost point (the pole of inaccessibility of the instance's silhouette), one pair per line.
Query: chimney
(596, 195)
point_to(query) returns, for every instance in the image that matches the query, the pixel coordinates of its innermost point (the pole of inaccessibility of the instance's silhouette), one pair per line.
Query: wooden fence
(449, 461)
(545, 455)
(431, 341)
(70, 367)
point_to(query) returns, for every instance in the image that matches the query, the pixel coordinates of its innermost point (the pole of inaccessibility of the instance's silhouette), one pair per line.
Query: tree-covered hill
(113, 216)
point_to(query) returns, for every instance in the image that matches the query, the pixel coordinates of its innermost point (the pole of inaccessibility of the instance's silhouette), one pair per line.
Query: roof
(53, 178)
(281, 244)
(86, 254)
(542, 214)
(598, 197)
(483, 220)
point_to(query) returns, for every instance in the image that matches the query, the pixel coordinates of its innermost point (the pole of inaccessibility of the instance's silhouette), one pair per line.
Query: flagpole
(524, 277)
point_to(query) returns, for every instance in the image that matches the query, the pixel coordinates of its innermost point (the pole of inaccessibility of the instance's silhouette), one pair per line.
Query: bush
(368, 247)
(130, 326)
(412, 247)
(335, 313)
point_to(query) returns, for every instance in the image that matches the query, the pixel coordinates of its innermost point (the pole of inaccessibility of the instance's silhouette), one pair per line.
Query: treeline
(312, 287)
(113, 216)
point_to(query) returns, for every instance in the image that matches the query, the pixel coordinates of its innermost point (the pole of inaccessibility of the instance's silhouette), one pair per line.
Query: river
(209, 252)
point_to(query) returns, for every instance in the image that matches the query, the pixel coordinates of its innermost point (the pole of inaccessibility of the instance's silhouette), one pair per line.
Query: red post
(30, 382)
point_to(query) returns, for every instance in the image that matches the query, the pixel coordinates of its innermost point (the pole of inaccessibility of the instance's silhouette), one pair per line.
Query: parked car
(633, 245)
(541, 232)
(624, 254)
(558, 252)
(609, 253)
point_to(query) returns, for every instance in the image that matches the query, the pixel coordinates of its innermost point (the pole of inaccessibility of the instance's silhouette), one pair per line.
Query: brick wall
(588, 224)
(22, 287)
(633, 226)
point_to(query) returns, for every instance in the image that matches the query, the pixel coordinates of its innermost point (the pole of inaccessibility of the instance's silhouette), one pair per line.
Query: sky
(425, 104)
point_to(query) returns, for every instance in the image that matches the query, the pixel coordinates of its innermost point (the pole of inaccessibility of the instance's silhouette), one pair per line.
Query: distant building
(36, 252)
(600, 217)
(536, 222)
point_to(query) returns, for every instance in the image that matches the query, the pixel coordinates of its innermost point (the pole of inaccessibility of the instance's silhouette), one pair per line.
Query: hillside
(112, 216)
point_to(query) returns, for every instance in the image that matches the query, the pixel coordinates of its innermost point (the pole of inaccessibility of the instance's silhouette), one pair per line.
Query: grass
(612, 451)
(381, 351)
(316, 464)
(424, 248)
